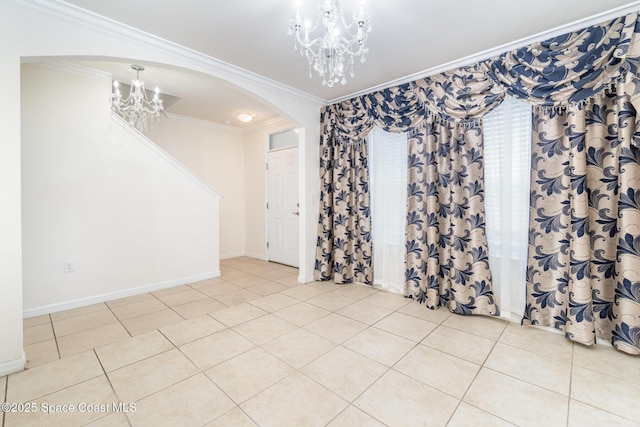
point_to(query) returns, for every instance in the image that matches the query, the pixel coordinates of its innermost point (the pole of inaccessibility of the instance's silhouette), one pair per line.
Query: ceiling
(189, 94)
(409, 39)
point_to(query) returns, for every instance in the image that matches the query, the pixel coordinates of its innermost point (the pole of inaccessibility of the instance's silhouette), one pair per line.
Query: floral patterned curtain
(571, 68)
(583, 273)
(585, 238)
(447, 261)
(343, 250)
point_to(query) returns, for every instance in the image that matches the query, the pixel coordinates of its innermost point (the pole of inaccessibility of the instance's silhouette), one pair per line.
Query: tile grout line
(6, 393)
(299, 370)
(460, 399)
(167, 305)
(236, 405)
(388, 368)
(119, 321)
(573, 352)
(55, 337)
(475, 377)
(368, 327)
(115, 393)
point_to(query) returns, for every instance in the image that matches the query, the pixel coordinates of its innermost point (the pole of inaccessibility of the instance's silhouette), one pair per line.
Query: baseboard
(307, 279)
(52, 308)
(510, 316)
(232, 255)
(261, 257)
(17, 365)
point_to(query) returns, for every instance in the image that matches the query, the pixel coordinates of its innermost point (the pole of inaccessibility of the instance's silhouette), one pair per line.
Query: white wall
(46, 28)
(233, 162)
(93, 192)
(217, 156)
(11, 353)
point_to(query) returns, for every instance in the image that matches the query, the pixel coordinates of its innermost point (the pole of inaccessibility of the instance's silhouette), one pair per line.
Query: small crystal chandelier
(136, 108)
(334, 52)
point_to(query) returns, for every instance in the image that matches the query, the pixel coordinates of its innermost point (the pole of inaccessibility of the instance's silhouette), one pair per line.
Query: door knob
(296, 213)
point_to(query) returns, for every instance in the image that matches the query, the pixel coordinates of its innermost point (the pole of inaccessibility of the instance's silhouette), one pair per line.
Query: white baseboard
(52, 308)
(231, 255)
(261, 257)
(17, 365)
(510, 316)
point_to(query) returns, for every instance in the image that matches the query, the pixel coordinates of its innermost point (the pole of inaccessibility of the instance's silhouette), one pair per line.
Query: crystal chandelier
(331, 54)
(136, 109)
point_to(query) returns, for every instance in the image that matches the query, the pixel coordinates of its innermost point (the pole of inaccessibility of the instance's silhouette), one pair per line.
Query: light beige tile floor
(255, 348)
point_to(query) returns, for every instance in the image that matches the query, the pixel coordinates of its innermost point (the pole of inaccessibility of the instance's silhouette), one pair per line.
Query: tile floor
(254, 347)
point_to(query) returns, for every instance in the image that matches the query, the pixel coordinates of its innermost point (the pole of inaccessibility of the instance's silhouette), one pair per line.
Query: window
(286, 139)
(387, 156)
(507, 149)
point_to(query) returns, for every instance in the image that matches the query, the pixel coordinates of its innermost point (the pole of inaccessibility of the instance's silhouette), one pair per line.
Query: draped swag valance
(562, 71)
(447, 260)
(460, 97)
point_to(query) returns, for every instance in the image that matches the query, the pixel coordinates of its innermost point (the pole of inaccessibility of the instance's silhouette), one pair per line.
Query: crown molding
(204, 123)
(489, 53)
(276, 121)
(70, 13)
(69, 67)
(74, 14)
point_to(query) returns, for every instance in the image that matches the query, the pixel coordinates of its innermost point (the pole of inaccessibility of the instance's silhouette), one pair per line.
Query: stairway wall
(128, 217)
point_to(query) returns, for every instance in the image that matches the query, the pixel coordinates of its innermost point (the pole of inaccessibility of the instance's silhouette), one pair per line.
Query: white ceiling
(190, 94)
(410, 38)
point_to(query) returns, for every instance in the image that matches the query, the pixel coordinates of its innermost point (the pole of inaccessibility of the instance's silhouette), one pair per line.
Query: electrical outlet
(69, 265)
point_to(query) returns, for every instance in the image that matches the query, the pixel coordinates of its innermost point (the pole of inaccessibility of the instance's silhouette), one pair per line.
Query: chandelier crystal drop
(332, 54)
(136, 108)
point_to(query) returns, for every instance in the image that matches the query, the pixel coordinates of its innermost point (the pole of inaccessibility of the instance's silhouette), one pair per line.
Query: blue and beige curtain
(584, 242)
(447, 263)
(583, 274)
(343, 251)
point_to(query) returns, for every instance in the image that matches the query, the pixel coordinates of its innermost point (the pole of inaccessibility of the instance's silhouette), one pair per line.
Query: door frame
(300, 132)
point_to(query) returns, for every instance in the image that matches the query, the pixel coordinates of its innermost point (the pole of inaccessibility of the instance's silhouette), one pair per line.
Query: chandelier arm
(332, 54)
(136, 108)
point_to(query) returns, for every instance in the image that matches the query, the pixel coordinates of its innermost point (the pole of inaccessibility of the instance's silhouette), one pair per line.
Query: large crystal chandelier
(136, 108)
(331, 54)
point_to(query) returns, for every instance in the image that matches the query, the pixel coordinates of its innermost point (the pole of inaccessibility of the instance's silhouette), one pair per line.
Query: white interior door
(282, 206)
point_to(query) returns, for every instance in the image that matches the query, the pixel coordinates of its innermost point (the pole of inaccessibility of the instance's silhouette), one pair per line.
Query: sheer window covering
(388, 187)
(507, 148)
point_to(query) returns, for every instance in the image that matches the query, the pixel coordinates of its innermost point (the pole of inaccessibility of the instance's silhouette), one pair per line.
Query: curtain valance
(460, 97)
(555, 73)
(571, 68)
(396, 109)
(351, 121)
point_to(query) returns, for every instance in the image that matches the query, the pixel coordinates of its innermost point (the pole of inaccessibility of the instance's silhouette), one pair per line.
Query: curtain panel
(584, 238)
(343, 250)
(584, 88)
(447, 263)
(583, 272)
